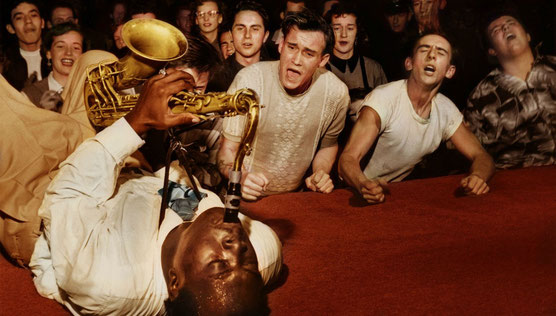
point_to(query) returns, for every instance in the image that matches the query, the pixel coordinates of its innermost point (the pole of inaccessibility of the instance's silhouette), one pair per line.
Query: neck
(421, 96)
(344, 56)
(62, 79)
(30, 47)
(519, 66)
(246, 61)
(211, 37)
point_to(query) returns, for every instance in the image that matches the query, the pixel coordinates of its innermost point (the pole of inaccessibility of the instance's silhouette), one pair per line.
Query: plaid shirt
(515, 120)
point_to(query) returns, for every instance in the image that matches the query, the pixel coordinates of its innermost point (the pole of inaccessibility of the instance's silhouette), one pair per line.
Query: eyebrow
(20, 13)
(429, 46)
(306, 49)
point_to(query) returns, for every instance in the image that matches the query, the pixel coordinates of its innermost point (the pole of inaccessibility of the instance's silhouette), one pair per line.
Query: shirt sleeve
(453, 118)
(73, 202)
(339, 119)
(379, 101)
(233, 127)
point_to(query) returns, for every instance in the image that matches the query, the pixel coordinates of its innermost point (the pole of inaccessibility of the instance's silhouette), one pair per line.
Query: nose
(396, 19)
(432, 53)
(296, 58)
(236, 247)
(344, 32)
(248, 33)
(206, 17)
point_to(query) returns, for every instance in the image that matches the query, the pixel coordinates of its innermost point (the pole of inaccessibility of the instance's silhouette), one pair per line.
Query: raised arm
(89, 174)
(482, 165)
(363, 136)
(253, 184)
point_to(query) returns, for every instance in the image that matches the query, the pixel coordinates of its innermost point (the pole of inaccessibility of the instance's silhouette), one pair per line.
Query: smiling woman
(64, 44)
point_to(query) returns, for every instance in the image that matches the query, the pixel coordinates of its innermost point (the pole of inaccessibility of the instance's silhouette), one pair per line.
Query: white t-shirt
(405, 137)
(33, 60)
(100, 252)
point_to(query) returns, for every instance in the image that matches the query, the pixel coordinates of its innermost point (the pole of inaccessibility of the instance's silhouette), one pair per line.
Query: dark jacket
(15, 67)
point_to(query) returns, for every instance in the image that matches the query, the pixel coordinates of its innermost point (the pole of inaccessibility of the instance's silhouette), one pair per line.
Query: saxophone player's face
(301, 53)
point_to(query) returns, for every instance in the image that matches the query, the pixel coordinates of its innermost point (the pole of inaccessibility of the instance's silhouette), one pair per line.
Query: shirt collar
(341, 63)
(53, 84)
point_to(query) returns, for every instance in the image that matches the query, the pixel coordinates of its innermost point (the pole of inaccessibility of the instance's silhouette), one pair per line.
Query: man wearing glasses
(207, 18)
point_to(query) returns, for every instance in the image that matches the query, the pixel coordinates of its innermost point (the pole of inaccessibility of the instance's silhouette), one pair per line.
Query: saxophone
(153, 43)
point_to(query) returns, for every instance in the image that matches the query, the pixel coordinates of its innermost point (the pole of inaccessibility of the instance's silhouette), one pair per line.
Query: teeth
(429, 68)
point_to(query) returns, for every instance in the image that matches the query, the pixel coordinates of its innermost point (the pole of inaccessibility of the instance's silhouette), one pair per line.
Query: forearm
(91, 171)
(350, 171)
(226, 156)
(483, 166)
(324, 159)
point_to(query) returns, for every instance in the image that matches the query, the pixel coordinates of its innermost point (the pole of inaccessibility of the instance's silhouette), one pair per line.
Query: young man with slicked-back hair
(304, 111)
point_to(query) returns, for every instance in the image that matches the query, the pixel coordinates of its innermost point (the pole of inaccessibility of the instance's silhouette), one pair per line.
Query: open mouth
(510, 36)
(343, 43)
(429, 70)
(293, 73)
(67, 62)
(247, 45)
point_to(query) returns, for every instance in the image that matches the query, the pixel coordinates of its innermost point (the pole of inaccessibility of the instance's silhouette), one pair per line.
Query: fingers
(253, 186)
(372, 192)
(474, 185)
(320, 182)
(173, 82)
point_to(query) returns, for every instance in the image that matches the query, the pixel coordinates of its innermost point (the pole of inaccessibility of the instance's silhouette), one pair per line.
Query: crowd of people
(342, 106)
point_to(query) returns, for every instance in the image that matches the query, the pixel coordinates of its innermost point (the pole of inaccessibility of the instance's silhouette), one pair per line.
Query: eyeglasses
(210, 14)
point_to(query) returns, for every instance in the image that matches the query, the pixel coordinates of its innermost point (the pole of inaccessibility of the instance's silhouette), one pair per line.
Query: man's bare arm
(363, 136)
(320, 180)
(482, 166)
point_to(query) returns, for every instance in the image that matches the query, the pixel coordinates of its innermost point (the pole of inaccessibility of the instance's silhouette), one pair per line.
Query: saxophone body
(152, 45)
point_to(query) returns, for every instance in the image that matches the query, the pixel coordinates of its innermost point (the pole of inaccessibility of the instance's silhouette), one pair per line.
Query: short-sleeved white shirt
(405, 137)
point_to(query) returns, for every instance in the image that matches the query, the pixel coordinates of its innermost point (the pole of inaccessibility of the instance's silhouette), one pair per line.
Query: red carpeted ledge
(426, 250)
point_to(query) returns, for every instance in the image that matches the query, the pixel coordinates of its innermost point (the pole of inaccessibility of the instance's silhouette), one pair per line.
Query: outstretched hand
(152, 111)
(474, 185)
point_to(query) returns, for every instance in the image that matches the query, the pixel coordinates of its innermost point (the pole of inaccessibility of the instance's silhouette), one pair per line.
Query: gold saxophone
(153, 43)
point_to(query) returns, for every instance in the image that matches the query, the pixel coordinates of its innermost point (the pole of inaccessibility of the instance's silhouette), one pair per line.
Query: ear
(196, 20)
(451, 71)
(265, 36)
(492, 52)
(324, 59)
(48, 54)
(49, 24)
(174, 284)
(408, 64)
(442, 4)
(10, 29)
(280, 45)
(528, 37)
(409, 16)
(76, 22)
(220, 19)
(42, 24)
(282, 15)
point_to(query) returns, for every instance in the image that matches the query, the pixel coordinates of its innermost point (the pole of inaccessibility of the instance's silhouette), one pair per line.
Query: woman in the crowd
(359, 73)
(64, 44)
